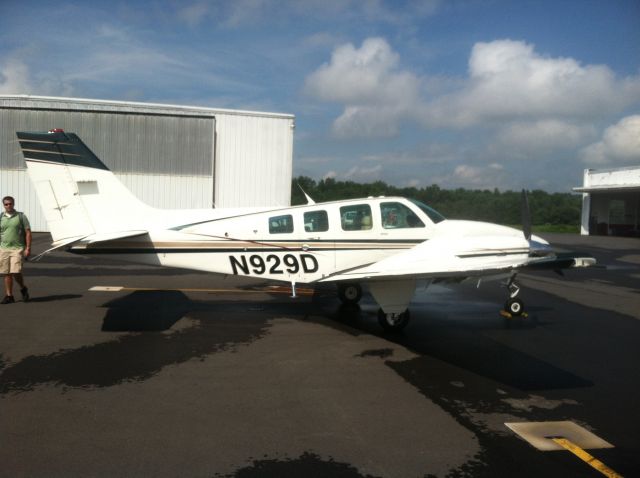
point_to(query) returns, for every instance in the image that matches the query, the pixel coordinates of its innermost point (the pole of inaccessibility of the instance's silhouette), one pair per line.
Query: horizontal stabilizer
(110, 236)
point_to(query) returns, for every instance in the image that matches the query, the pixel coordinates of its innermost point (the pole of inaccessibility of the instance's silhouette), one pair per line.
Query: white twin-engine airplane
(387, 243)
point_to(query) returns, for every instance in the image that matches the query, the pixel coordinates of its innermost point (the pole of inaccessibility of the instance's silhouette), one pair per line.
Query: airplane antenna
(310, 201)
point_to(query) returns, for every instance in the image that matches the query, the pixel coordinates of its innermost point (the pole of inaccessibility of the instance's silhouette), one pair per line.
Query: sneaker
(8, 299)
(25, 294)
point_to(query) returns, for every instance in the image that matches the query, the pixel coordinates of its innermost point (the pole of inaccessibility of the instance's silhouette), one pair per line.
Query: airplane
(385, 243)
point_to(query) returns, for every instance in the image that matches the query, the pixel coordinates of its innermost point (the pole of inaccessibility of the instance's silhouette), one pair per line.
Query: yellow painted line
(586, 457)
(274, 290)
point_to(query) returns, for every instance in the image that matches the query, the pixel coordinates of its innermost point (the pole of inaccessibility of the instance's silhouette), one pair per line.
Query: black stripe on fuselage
(202, 250)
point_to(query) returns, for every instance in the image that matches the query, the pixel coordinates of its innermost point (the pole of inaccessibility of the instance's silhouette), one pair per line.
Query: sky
(478, 94)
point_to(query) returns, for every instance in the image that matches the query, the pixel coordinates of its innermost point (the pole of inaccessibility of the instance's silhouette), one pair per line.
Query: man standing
(15, 243)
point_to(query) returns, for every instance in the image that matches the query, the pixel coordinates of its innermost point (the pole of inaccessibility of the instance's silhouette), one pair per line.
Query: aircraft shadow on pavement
(52, 298)
(215, 327)
(156, 310)
(465, 344)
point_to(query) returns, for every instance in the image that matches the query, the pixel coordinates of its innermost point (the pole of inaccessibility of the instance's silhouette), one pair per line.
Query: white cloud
(364, 174)
(620, 144)
(468, 176)
(376, 94)
(543, 135)
(509, 80)
(14, 78)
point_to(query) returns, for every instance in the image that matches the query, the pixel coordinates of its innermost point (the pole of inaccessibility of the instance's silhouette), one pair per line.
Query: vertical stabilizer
(79, 195)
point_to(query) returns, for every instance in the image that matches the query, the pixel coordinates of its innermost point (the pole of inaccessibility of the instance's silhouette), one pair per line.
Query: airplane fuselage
(298, 244)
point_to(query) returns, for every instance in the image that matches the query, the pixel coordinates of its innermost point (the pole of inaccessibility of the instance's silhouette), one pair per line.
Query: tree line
(502, 207)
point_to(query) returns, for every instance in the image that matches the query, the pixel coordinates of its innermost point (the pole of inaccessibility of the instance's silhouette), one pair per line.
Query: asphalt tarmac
(188, 374)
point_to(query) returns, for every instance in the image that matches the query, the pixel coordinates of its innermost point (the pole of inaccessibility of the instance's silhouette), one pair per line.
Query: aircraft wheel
(393, 322)
(350, 293)
(514, 306)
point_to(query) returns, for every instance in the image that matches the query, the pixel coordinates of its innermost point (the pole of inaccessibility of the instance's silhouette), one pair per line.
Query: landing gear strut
(393, 322)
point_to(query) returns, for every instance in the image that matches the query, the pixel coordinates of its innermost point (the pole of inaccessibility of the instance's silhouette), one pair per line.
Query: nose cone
(539, 247)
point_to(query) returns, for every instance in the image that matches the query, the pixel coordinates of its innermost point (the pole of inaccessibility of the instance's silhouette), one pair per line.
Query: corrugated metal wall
(125, 142)
(260, 172)
(169, 156)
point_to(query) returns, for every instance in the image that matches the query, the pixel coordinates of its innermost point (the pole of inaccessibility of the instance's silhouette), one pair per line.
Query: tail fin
(79, 195)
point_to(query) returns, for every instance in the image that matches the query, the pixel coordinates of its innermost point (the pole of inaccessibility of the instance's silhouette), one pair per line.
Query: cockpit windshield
(434, 215)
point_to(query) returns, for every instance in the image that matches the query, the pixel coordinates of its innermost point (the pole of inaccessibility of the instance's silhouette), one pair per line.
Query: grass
(561, 228)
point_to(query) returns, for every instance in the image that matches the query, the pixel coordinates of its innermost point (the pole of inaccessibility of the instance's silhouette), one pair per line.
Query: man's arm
(27, 237)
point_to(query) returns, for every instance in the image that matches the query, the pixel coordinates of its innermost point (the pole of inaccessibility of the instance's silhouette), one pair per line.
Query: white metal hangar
(169, 156)
(611, 202)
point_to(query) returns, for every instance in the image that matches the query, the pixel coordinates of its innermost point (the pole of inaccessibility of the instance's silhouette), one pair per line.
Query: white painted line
(107, 288)
(538, 435)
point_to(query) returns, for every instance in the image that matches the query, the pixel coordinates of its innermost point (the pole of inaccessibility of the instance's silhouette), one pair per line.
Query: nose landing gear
(513, 307)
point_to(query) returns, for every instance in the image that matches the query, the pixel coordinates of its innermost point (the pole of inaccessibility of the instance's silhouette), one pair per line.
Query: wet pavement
(239, 379)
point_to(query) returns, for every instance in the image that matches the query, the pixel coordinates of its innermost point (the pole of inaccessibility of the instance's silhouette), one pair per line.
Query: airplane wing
(444, 256)
(460, 258)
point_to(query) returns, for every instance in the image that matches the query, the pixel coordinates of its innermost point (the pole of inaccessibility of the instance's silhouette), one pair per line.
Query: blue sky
(469, 93)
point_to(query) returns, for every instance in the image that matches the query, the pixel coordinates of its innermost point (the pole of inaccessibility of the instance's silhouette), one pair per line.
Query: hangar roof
(31, 101)
(610, 180)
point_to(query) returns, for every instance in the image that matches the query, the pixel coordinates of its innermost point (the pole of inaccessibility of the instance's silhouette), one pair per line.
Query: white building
(611, 202)
(169, 156)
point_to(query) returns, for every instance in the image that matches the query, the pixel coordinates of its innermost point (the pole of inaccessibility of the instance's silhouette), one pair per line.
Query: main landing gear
(393, 322)
(350, 293)
(513, 307)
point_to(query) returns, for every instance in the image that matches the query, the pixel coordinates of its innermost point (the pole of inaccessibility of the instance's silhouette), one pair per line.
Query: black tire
(514, 306)
(350, 293)
(393, 324)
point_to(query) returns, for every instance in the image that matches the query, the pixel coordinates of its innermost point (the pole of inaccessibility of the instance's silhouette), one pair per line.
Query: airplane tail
(79, 195)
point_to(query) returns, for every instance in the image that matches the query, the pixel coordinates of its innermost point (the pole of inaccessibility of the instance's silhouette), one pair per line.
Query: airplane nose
(539, 247)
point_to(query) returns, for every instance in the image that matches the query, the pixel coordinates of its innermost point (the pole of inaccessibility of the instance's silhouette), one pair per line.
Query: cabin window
(356, 217)
(281, 224)
(396, 215)
(316, 221)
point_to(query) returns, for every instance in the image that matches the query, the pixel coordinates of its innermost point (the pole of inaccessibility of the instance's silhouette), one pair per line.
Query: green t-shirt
(12, 235)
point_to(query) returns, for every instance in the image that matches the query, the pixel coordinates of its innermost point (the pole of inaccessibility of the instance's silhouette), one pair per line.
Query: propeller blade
(526, 216)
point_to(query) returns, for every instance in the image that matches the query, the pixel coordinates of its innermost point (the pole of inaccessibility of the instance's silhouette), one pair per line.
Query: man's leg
(8, 288)
(8, 284)
(23, 288)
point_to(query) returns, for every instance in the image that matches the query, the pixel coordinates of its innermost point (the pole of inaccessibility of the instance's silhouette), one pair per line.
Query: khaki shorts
(10, 261)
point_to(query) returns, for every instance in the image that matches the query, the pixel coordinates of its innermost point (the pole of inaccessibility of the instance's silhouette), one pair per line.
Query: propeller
(526, 216)
(537, 247)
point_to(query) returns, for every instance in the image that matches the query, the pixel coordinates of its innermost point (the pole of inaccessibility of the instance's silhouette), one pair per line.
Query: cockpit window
(434, 215)
(396, 215)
